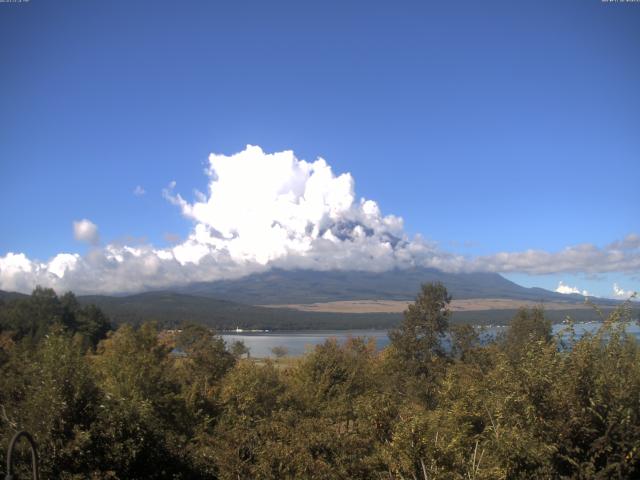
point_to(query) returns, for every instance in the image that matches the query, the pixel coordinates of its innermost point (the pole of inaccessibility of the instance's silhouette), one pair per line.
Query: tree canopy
(436, 403)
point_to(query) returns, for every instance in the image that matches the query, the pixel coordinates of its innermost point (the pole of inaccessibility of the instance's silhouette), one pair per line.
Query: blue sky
(489, 127)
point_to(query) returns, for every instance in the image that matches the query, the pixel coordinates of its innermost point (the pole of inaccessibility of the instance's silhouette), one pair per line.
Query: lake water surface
(298, 342)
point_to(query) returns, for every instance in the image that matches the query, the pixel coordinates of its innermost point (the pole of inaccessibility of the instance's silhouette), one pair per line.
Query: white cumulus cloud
(620, 292)
(63, 262)
(264, 210)
(566, 289)
(86, 231)
(16, 272)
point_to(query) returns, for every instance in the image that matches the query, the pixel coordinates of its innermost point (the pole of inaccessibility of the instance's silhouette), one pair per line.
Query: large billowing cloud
(273, 210)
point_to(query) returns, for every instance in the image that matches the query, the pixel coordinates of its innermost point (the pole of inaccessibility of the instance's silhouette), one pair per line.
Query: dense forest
(170, 310)
(121, 404)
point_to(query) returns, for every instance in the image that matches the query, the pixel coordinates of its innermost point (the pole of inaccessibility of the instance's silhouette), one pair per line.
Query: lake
(298, 342)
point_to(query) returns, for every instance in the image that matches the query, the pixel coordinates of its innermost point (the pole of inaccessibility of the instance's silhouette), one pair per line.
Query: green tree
(32, 317)
(416, 350)
(88, 322)
(596, 431)
(280, 351)
(206, 361)
(249, 397)
(50, 391)
(143, 425)
(528, 326)
(239, 349)
(465, 341)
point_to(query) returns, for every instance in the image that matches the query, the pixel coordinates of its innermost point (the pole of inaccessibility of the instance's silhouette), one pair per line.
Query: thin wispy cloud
(139, 191)
(265, 210)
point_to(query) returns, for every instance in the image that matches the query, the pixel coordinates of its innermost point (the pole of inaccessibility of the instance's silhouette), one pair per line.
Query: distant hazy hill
(6, 296)
(234, 303)
(171, 309)
(306, 286)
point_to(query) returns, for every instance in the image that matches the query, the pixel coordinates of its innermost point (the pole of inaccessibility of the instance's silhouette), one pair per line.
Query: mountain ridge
(228, 304)
(279, 286)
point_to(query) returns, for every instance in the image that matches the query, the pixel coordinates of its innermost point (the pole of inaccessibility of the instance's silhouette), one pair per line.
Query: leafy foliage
(32, 317)
(138, 403)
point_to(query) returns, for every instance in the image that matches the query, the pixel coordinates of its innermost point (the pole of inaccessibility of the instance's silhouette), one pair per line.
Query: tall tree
(528, 325)
(417, 348)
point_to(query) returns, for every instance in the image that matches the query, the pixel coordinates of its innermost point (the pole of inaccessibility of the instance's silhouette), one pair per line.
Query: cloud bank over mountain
(619, 256)
(265, 210)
